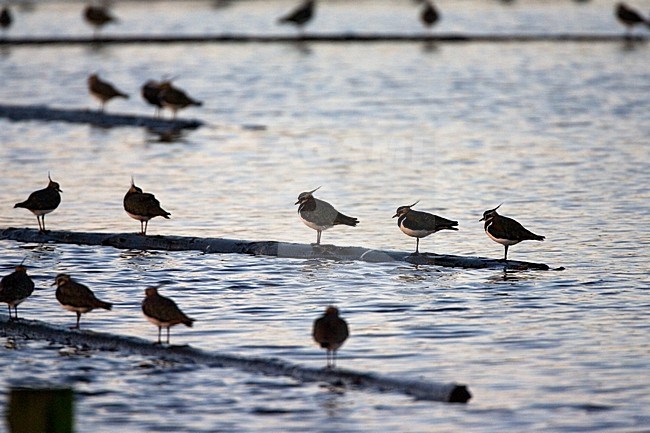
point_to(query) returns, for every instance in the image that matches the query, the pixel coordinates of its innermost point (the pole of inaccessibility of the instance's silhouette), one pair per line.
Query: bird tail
(448, 225)
(197, 103)
(104, 305)
(187, 321)
(538, 237)
(123, 95)
(346, 220)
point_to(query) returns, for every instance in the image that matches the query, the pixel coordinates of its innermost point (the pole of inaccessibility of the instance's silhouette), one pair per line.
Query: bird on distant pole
(98, 17)
(300, 16)
(6, 19)
(629, 17)
(103, 91)
(330, 331)
(429, 15)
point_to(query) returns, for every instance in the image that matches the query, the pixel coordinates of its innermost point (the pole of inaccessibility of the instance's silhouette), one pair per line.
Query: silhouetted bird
(506, 231)
(301, 15)
(320, 215)
(429, 15)
(163, 312)
(42, 202)
(420, 224)
(330, 331)
(74, 296)
(629, 17)
(175, 99)
(151, 93)
(98, 17)
(142, 206)
(5, 18)
(103, 91)
(15, 288)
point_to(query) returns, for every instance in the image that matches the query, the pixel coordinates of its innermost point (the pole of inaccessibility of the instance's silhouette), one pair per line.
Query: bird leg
(168, 334)
(505, 257)
(417, 245)
(318, 237)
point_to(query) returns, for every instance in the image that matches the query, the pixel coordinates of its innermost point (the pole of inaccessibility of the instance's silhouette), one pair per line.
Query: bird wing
(507, 228)
(143, 204)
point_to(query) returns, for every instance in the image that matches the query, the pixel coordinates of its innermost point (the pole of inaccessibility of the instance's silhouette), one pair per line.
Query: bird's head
(403, 210)
(304, 196)
(488, 215)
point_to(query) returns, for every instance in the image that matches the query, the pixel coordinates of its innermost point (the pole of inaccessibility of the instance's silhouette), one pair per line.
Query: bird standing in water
(15, 288)
(103, 91)
(300, 16)
(330, 331)
(74, 296)
(163, 312)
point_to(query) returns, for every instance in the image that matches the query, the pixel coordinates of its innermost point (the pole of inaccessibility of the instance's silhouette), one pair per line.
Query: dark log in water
(261, 248)
(93, 117)
(420, 388)
(328, 38)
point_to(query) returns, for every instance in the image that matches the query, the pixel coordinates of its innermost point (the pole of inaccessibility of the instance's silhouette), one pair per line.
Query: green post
(40, 410)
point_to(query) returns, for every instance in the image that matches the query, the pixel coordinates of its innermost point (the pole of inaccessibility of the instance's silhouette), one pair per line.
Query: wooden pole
(40, 410)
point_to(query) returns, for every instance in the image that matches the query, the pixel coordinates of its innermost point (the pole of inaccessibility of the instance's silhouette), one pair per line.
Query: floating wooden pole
(420, 388)
(260, 248)
(93, 117)
(328, 38)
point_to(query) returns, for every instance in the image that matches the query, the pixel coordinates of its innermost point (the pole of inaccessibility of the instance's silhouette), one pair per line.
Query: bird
(629, 17)
(163, 312)
(98, 17)
(103, 90)
(506, 231)
(74, 296)
(150, 92)
(42, 202)
(429, 15)
(320, 215)
(15, 288)
(142, 206)
(330, 331)
(421, 224)
(299, 16)
(174, 98)
(5, 18)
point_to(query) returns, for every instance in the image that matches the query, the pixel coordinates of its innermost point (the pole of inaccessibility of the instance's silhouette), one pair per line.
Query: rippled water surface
(557, 131)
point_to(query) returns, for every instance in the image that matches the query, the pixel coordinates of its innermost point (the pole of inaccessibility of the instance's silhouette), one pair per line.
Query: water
(556, 131)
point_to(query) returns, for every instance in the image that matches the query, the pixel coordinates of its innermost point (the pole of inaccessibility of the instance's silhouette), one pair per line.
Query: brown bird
(74, 296)
(506, 231)
(320, 215)
(163, 312)
(142, 206)
(429, 15)
(98, 17)
(175, 98)
(300, 16)
(5, 18)
(103, 90)
(42, 202)
(330, 331)
(629, 17)
(150, 92)
(15, 288)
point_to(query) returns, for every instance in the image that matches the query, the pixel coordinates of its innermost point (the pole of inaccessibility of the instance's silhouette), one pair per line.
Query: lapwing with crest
(506, 231)
(42, 202)
(142, 206)
(320, 215)
(419, 224)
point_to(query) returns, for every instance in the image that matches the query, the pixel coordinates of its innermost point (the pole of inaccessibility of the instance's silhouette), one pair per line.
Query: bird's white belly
(501, 241)
(41, 212)
(314, 225)
(158, 322)
(138, 217)
(77, 309)
(415, 233)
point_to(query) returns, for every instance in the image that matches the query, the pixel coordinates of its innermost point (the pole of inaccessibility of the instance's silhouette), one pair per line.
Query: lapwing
(506, 231)
(300, 16)
(103, 90)
(330, 331)
(419, 224)
(142, 206)
(15, 288)
(429, 15)
(5, 18)
(320, 215)
(629, 17)
(76, 297)
(175, 99)
(98, 17)
(150, 92)
(42, 202)
(163, 312)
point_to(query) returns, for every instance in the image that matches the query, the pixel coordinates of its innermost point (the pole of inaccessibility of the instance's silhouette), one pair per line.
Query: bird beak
(396, 215)
(297, 202)
(482, 219)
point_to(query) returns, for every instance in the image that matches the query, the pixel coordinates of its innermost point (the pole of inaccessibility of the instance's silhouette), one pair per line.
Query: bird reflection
(166, 135)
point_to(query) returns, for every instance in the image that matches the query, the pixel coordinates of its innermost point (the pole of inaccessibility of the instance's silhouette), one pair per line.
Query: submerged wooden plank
(93, 117)
(265, 248)
(420, 388)
(328, 38)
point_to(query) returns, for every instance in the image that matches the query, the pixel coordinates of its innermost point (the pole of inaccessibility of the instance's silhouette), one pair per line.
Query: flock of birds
(329, 330)
(98, 16)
